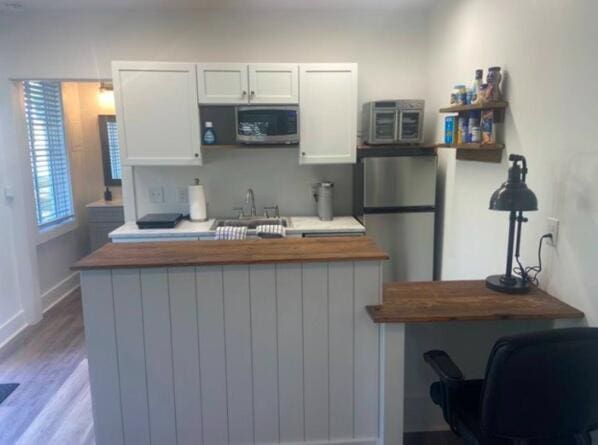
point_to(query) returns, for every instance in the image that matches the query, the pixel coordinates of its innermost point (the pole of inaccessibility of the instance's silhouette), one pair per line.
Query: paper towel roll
(197, 203)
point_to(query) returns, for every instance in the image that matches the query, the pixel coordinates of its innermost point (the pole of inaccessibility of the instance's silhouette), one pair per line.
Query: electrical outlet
(553, 229)
(183, 195)
(156, 195)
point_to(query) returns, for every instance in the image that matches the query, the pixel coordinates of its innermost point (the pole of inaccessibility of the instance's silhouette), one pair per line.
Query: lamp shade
(514, 195)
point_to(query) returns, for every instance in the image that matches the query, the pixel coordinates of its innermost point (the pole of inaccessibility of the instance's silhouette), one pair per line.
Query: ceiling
(247, 5)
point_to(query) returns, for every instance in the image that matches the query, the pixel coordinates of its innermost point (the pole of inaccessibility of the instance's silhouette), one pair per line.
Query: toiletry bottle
(477, 84)
(209, 137)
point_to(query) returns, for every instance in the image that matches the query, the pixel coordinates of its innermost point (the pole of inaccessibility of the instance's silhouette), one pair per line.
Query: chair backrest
(542, 385)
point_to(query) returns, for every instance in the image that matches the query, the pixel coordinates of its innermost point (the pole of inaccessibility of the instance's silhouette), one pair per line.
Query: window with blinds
(48, 152)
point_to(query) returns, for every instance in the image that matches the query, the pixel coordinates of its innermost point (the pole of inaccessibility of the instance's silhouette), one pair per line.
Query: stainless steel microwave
(393, 122)
(267, 124)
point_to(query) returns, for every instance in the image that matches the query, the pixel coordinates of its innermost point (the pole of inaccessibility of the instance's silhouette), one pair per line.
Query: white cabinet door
(273, 83)
(222, 83)
(157, 115)
(328, 106)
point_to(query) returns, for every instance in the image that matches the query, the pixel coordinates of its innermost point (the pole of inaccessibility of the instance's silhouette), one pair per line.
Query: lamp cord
(531, 273)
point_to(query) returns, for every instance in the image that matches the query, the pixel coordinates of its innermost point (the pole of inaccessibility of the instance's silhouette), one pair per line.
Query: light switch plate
(156, 195)
(553, 229)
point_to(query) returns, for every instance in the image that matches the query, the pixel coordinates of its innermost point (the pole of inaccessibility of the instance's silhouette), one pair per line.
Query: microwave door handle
(398, 125)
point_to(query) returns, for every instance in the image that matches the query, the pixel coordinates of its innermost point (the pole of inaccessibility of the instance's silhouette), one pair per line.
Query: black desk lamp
(513, 196)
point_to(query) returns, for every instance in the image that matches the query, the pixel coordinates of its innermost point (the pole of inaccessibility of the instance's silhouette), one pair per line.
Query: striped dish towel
(270, 231)
(231, 233)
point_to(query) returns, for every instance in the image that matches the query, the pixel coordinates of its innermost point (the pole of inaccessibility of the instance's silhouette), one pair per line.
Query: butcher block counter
(204, 253)
(235, 342)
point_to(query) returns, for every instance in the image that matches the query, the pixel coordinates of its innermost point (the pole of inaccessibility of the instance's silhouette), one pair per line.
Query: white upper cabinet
(157, 115)
(328, 113)
(274, 83)
(222, 83)
(240, 83)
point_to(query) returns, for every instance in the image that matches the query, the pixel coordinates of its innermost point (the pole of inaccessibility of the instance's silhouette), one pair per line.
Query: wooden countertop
(433, 301)
(203, 253)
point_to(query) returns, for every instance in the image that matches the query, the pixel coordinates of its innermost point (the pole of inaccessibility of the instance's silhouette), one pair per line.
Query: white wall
(547, 49)
(389, 46)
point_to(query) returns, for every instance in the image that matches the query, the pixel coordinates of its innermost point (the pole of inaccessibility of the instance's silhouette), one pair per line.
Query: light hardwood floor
(52, 405)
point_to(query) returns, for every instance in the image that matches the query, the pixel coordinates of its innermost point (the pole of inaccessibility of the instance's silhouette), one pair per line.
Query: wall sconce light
(106, 95)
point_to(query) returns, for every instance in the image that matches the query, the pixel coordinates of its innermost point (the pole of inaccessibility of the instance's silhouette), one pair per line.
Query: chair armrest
(442, 364)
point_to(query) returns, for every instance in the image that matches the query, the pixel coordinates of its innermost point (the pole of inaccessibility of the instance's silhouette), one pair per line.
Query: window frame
(103, 120)
(60, 226)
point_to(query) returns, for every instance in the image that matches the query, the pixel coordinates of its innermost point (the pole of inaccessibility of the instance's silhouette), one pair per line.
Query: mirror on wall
(110, 149)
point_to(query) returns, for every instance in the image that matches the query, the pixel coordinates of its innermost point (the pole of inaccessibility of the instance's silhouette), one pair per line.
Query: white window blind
(49, 156)
(114, 149)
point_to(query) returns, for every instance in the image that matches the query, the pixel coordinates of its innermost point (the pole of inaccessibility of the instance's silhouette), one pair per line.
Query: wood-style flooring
(52, 405)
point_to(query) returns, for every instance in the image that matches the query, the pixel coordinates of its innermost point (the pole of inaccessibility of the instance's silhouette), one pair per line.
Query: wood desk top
(204, 253)
(433, 301)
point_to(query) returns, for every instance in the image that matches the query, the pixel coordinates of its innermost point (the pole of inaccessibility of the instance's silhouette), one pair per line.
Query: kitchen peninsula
(212, 342)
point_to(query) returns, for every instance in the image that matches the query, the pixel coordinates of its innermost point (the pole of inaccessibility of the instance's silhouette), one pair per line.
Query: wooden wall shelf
(473, 146)
(499, 105)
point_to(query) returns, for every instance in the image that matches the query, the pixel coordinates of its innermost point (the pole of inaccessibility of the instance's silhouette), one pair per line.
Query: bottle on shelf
(209, 137)
(477, 85)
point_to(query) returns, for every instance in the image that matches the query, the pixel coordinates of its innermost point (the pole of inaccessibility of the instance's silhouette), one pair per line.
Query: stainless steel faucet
(250, 199)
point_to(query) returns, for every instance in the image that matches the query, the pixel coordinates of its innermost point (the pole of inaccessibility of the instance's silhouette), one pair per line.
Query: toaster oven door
(385, 126)
(410, 126)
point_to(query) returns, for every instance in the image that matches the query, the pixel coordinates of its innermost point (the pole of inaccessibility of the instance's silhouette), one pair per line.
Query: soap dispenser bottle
(209, 137)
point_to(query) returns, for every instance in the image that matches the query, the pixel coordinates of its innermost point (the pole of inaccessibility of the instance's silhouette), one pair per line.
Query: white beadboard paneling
(131, 354)
(367, 291)
(264, 337)
(315, 350)
(212, 358)
(234, 355)
(100, 337)
(340, 283)
(185, 355)
(237, 322)
(158, 355)
(290, 352)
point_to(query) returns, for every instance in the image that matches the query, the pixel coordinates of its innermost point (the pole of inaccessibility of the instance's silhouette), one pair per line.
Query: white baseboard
(59, 291)
(11, 328)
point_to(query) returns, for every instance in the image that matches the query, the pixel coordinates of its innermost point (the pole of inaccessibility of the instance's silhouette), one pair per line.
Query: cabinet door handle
(302, 153)
(244, 93)
(197, 155)
(252, 93)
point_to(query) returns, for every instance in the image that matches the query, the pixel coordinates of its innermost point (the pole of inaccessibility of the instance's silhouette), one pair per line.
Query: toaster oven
(393, 122)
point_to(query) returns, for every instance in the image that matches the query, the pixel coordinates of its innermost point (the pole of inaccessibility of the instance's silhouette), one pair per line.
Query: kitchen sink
(250, 223)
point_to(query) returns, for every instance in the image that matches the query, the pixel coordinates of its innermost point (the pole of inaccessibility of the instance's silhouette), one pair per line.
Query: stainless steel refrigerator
(395, 199)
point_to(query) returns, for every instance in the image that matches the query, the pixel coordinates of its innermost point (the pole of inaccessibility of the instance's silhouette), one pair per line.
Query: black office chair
(540, 388)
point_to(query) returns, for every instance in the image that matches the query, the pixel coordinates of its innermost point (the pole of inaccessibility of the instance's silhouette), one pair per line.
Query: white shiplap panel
(100, 338)
(290, 352)
(265, 357)
(315, 350)
(340, 279)
(367, 291)
(237, 323)
(158, 355)
(131, 354)
(210, 322)
(185, 354)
